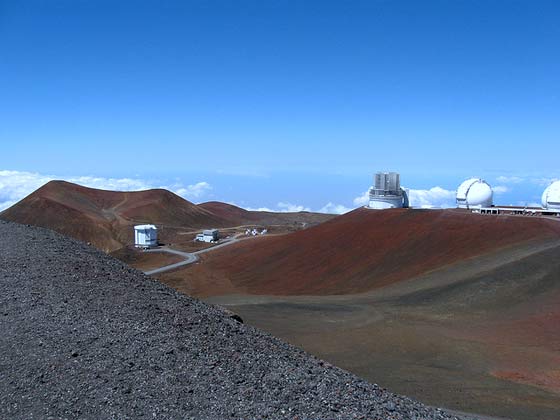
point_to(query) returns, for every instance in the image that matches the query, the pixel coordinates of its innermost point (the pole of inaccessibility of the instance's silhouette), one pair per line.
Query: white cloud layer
(15, 185)
(500, 189)
(541, 181)
(195, 191)
(332, 208)
(283, 207)
(544, 182)
(292, 208)
(362, 200)
(435, 197)
(510, 179)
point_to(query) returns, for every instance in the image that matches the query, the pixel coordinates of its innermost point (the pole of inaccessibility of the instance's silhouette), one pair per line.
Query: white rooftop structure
(386, 192)
(208, 235)
(474, 192)
(145, 236)
(551, 197)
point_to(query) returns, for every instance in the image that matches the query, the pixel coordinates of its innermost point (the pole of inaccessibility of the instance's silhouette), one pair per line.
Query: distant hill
(105, 218)
(240, 216)
(471, 302)
(365, 249)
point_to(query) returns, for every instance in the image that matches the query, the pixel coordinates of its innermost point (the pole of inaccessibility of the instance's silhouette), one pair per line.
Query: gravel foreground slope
(85, 336)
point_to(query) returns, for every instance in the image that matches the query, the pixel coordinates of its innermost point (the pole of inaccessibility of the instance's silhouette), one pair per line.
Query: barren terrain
(106, 218)
(360, 251)
(456, 309)
(86, 336)
(485, 342)
(145, 261)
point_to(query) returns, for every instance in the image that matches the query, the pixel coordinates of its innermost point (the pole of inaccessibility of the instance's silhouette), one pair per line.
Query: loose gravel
(85, 336)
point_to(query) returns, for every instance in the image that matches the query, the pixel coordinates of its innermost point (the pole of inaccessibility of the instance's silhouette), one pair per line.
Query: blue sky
(269, 102)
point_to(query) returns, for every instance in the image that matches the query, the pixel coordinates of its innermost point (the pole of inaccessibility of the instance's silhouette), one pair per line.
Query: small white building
(145, 236)
(209, 235)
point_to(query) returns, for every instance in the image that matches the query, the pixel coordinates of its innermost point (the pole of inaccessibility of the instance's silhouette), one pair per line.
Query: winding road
(190, 257)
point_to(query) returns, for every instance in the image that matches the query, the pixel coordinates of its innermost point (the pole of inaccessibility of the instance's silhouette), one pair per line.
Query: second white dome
(474, 192)
(551, 196)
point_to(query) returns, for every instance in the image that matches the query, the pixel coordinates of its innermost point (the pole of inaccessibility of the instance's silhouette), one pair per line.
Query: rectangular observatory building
(145, 236)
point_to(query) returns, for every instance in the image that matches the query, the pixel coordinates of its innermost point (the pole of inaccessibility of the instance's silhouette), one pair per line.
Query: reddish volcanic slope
(104, 218)
(229, 212)
(241, 216)
(367, 249)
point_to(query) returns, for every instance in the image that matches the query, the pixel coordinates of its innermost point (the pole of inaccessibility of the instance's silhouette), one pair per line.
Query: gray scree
(85, 336)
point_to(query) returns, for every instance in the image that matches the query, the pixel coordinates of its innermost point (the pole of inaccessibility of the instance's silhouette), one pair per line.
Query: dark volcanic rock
(85, 336)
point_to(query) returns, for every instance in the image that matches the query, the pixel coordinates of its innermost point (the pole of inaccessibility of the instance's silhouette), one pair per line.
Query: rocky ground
(479, 336)
(86, 336)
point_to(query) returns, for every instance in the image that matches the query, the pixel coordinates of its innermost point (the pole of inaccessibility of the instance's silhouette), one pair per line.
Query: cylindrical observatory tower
(386, 192)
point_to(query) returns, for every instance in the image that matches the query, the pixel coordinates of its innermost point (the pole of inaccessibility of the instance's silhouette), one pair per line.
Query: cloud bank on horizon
(15, 185)
(435, 197)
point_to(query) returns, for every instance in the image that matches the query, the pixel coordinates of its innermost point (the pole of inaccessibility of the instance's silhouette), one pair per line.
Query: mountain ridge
(106, 218)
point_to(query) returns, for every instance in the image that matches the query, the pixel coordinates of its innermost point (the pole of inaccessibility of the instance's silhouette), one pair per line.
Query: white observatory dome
(551, 196)
(474, 192)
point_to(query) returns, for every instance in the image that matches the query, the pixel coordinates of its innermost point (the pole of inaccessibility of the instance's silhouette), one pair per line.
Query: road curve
(190, 257)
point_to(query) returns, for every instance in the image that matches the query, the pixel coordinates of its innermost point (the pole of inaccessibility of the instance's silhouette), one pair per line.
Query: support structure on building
(386, 192)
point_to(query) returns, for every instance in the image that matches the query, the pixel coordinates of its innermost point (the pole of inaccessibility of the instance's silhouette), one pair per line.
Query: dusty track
(189, 257)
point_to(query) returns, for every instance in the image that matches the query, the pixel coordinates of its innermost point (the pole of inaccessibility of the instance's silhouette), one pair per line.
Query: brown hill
(229, 212)
(366, 249)
(484, 330)
(471, 302)
(241, 216)
(105, 218)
